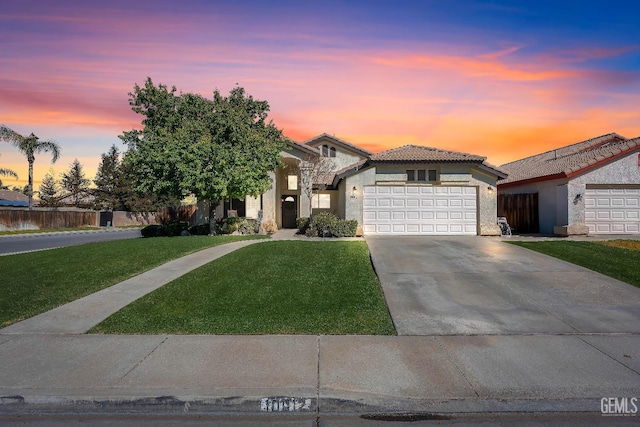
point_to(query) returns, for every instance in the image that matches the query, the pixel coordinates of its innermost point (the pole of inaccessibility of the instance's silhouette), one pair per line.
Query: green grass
(39, 281)
(279, 287)
(615, 261)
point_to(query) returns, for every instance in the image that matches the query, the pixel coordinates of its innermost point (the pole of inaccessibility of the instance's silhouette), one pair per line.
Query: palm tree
(29, 146)
(6, 172)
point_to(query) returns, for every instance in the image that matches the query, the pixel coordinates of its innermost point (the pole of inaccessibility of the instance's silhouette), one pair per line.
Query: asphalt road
(34, 242)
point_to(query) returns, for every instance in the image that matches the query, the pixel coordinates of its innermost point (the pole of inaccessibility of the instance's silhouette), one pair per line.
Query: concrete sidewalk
(315, 374)
(48, 366)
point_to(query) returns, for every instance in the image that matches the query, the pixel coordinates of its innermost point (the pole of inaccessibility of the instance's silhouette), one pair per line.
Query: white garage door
(612, 210)
(419, 210)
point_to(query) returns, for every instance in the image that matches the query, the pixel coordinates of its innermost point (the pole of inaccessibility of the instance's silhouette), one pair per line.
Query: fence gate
(106, 218)
(521, 210)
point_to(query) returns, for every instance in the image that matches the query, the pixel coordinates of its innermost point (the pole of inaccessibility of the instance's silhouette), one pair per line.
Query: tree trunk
(212, 217)
(30, 184)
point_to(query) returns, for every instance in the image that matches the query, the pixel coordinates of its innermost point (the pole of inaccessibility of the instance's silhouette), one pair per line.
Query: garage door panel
(419, 210)
(612, 210)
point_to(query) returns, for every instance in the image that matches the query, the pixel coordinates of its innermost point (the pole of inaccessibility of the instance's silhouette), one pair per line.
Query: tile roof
(569, 160)
(418, 153)
(301, 147)
(422, 154)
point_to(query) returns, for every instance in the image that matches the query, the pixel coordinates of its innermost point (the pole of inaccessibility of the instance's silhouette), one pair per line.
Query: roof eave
(340, 142)
(532, 180)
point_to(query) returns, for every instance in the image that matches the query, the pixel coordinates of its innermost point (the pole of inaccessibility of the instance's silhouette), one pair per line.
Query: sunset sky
(502, 79)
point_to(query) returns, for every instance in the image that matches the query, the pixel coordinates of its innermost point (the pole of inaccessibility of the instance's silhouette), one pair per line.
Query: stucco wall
(353, 205)
(452, 175)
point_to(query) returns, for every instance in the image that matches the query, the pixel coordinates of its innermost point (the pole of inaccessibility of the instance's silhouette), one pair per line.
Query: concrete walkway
(79, 316)
(49, 366)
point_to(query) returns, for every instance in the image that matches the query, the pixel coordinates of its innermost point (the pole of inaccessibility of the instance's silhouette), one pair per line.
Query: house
(405, 190)
(591, 187)
(14, 199)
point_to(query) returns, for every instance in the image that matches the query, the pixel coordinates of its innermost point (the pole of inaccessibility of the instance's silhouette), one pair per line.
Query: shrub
(153, 231)
(345, 228)
(174, 228)
(200, 230)
(248, 226)
(270, 227)
(302, 224)
(332, 225)
(322, 222)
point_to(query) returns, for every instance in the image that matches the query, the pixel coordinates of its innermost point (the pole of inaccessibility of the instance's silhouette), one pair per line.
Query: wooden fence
(23, 219)
(521, 211)
(13, 219)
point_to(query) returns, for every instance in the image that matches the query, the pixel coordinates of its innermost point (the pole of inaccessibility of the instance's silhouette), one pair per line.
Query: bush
(200, 230)
(345, 228)
(302, 224)
(153, 231)
(174, 228)
(240, 225)
(270, 227)
(322, 222)
(332, 225)
(248, 226)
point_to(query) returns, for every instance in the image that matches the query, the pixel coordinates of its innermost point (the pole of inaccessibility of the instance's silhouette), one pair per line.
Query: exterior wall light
(490, 189)
(354, 192)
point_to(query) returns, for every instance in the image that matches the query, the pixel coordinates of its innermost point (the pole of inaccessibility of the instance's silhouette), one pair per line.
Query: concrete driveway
(483, 286)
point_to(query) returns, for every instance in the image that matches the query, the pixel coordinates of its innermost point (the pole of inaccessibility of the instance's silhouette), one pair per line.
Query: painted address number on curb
(284, 404)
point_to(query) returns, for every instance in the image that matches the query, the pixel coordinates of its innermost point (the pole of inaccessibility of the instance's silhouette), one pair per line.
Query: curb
(55, 233)
(389, 407)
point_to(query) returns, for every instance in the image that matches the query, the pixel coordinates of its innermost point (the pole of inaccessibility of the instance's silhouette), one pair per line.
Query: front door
(289, 211)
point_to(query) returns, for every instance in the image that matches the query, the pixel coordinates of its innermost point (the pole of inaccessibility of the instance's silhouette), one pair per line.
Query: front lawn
(35, 282)
(279, 287)
(618, 258)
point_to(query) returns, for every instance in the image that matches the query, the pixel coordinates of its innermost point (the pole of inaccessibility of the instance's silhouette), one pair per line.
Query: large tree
(76, 184)
(213, 149)
(30, 146)
(49, 191)
(110, 191)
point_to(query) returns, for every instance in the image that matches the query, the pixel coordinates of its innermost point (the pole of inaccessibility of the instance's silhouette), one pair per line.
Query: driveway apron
(470, 285)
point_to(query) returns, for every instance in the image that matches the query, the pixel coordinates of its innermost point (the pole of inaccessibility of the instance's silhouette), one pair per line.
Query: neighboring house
(15, 199)
(406, 190)
(591, 187)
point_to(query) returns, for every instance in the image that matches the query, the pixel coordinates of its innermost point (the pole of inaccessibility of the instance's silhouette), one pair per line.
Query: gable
(341, 152)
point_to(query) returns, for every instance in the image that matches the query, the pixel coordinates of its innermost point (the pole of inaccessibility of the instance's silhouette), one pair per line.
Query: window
(327, 151)
(292, 182)
(422, 175)
(321, 201)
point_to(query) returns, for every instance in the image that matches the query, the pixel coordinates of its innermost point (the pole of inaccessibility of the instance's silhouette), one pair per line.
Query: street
(11, 244)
